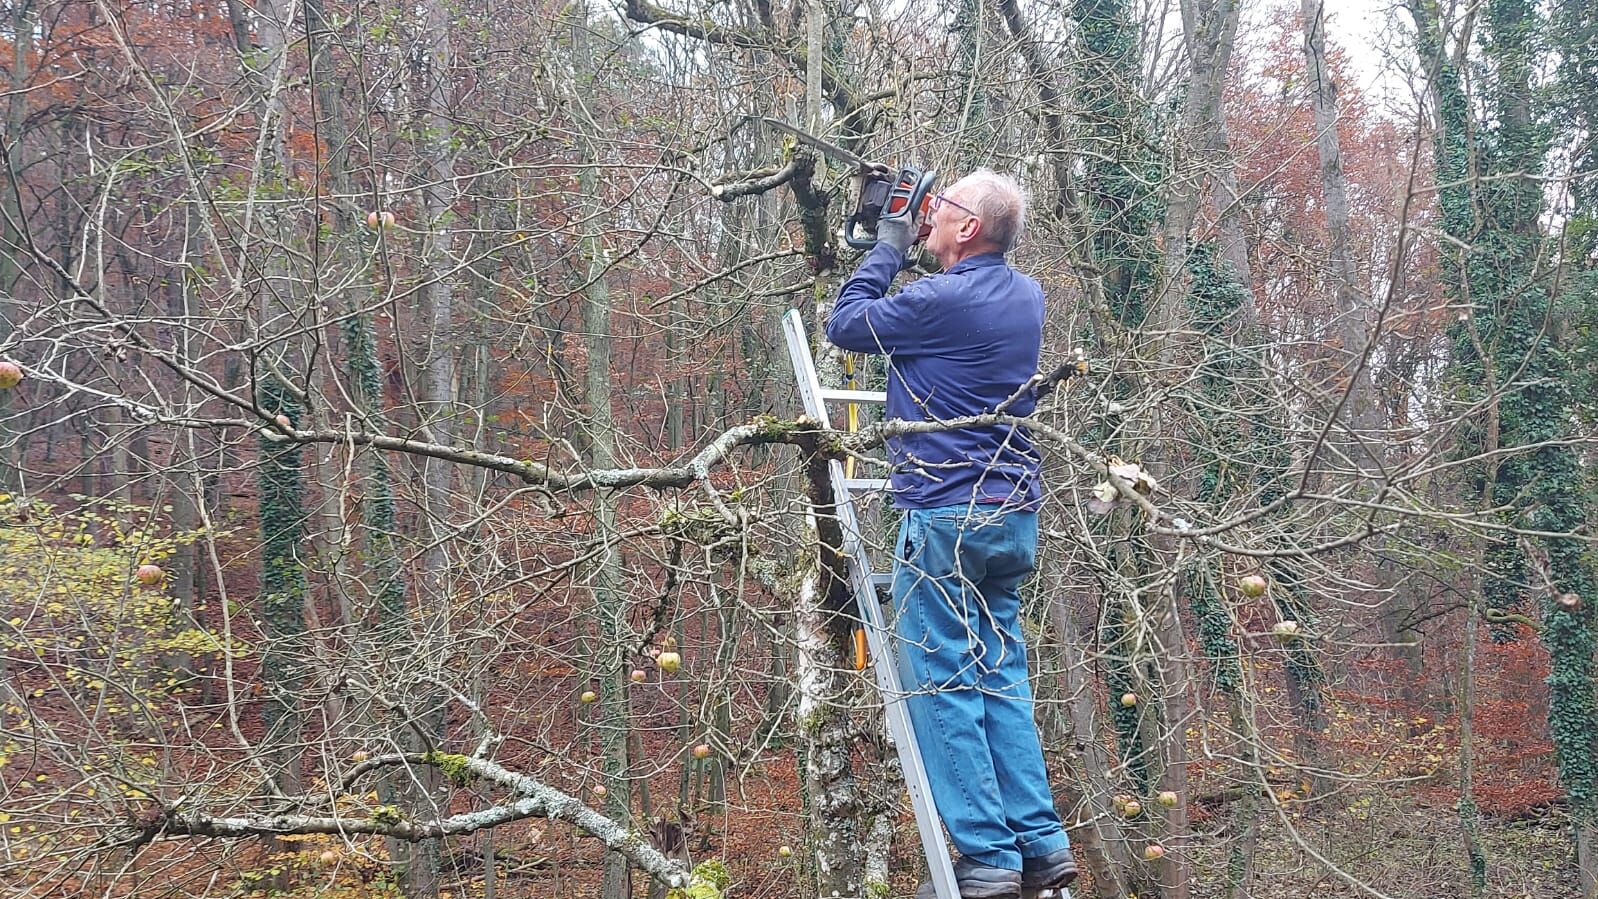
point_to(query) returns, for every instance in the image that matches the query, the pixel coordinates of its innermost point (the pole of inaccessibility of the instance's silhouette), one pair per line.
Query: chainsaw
(886, 192)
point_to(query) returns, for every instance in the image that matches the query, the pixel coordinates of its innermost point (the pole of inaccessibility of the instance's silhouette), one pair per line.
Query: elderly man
(961, 343)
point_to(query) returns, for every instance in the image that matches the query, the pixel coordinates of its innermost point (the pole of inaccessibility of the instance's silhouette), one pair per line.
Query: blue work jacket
(958, 343)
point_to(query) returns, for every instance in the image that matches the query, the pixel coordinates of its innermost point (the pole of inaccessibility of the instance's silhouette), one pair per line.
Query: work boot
(978, 881)
(1046, 872)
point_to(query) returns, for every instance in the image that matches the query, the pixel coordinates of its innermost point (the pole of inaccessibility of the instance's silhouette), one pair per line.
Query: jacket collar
(981, 260)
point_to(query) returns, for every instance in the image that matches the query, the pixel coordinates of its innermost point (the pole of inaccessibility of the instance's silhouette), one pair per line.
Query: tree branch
(751, 183)
(535, 800)
(646, 13)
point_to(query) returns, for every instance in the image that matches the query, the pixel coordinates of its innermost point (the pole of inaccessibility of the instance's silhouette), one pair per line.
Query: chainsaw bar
(828, 147)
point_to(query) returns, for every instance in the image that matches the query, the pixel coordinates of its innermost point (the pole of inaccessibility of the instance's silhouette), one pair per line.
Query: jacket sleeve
(866, 320)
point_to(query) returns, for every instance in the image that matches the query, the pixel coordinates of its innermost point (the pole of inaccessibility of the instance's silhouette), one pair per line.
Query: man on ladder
(961, 343)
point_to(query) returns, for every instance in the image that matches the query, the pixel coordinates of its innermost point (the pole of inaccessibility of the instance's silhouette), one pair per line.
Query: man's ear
(970, 230)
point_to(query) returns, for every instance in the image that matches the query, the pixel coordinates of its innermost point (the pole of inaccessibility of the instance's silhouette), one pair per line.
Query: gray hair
(998, 201)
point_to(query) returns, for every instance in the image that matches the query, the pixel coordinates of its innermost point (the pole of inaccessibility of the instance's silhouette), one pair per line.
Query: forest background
(404, 490)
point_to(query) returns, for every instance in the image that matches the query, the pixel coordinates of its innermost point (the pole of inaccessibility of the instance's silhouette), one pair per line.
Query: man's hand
(899, 232)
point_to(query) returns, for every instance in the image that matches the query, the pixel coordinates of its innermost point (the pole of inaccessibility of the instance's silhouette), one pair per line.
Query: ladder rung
(865, 484)
(882, 579)
(854, 396)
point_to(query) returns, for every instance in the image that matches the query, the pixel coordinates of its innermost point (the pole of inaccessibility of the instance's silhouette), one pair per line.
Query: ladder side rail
(804, 367)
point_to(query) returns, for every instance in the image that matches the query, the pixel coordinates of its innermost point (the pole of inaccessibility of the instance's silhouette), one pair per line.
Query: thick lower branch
(534, 799)
(536, 473)
(748, 184)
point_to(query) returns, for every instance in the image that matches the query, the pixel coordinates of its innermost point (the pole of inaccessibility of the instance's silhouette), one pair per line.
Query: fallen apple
(1285, 631)
(784, 851)
(1153, 852)
(1133, 808)
(1119, 801)
(1253, 586)
(328, 858)
(360, 755)
(1128, 699)
(283, 422)
(588, 696)
(669, 662)
(1167, 798)
(10, 375)
(600, 790)
(1570, 602)
(702, 751)
(150, 575)
(384, 218)
(638, 676)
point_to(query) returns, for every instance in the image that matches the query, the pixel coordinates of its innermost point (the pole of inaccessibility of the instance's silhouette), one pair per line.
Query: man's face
(948, 218)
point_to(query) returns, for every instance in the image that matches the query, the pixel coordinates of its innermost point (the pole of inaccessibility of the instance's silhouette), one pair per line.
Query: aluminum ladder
(863, 584)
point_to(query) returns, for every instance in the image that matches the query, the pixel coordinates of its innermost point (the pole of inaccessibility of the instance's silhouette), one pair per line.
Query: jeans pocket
(912, 537)
(907, 539)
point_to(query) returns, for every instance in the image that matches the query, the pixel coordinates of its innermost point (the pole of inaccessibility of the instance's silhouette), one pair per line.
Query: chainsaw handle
(905, 197)
(910, 194)
(857, 220)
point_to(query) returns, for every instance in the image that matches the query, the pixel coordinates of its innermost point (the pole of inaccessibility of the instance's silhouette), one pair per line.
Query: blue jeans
(956, 587)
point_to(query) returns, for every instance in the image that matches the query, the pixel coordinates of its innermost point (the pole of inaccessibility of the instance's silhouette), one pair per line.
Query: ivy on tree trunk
(283, 643)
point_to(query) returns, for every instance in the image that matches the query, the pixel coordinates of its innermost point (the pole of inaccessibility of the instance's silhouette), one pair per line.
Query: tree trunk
(1469, 813)
(11, 242)
(281, 478)
(1176, 711)
(974, 130)
(284, 653)
(1355, 319)
(435, 148)
(610, 607)
(1211, 26)
(1099, 836)
(1246, 811)
(832, 796)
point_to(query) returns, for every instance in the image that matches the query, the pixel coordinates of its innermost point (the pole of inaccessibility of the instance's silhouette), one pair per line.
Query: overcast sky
(1374, 33)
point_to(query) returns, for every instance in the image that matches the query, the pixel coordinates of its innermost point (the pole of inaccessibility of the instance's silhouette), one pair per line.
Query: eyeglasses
(939, 199)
